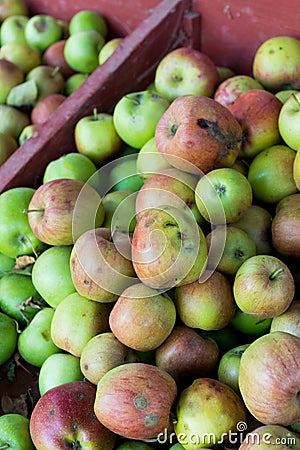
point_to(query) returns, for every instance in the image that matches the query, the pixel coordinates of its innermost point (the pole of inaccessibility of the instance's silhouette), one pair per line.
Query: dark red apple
(44, 109)
(54, 56)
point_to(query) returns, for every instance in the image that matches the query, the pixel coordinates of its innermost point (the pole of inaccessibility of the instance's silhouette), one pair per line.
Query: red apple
(44, 109)
(54, 56)
(229, 90)
(264, 436)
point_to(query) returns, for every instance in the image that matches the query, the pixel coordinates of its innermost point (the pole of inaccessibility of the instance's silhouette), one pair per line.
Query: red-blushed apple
(229, 90)
(54, 56)
(52, 214)
(285, 226)
(208, 305)
(10, 76)
(168, 247)
(186, 71)
(276, 64)
(207, 412)
(269, 378)
(49, 80)
(12, 7)
(100, 269)
(64, 418)
(46, 107)
(296, 170)
(263, 286)
(257, 112)
(289, 321)
(134, 400)
(264, 436)
(200, 132)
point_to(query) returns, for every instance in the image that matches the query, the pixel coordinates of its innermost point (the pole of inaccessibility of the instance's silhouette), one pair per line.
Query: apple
(54, 56)
(103, 352)
(64, 417)
(288, 321)
(198, 122)
(186, 355)
(82, 49)
(199, 408)
(123, 174)
(16, 236)
(7, 146)
(108, 49)
(71, 165)
(131, 444)
(119, 207)
(12, 7)
(76, 320)
(6, 264)
(30, 131)
(263, 286)
(10, 76)
(142, 318)
(208, 305)
(288, 121)
(12, 29)
(88, 20)
(149, 160)
(265, 435)
(274, 397)
(14, 432)
(13, 120)
(285, 94)
(223, 195)
(57, 369)
(41, 31)
(168, 247)
(34, 342)
(257, 111)
(296, 170)
(8, 337)
(229, 366)
(224, 73)
(96, 137)
(100, 269)
(62, 209)
(275, 63)
(229, 90)
(73, 82)
(22, 55)
(49, 80)
(186, 71)
(249, 324)
(136, 115)
(134, 400)
(44, 109)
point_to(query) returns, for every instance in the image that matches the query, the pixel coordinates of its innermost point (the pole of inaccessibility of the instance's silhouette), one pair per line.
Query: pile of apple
(154, 274)
(42, 61)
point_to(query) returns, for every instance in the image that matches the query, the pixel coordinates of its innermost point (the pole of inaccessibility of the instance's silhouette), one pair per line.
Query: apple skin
(108, 49)
(229, 365)
(186, 71)
(64, 417)
(274, 397)
(263, 286)
(12, 29)
(48, 79)
(10, 76)
(149, 160)
(198, 122)
(12, 7)
(14, 432)
(289, 321)
(276, 64)
(22, 55)
(41, 31)
(46, 107)
(281, 438)
(54, 56)
(74, 81)
(271, 174)
(13, 120)
(229, 90)
(134, 400)
(71, 165)
(224, 73)
(8, 336)
(120, 214)
(285, 94)
(296, 170)
(288, 121)
(249, 324)
(88, 20)
(257, 112)
(82, 49)
(7, 146)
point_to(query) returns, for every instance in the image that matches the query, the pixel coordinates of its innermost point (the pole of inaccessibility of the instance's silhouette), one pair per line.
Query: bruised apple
(134, 400)
(200, 132)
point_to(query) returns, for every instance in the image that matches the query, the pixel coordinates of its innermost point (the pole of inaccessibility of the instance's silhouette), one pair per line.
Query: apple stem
(95, 114)
(27, 211)
(133, 100)
(4, 446)
(55, 71)
(296, 98)
(275, 273)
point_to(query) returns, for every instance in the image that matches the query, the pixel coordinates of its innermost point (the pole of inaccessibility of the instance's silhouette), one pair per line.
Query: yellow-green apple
(285, 226)
(49, 80)
(64, 417)
(71, 165)
(275, 63)
(186, 71)
(28, 132)
(42, 111)
(54, 56)
(142, 318)
(285, 94)
(134, 400)
(296, 170)
(12, 7)
(8, 336)
(14, 431)
(12, 29)
(187, 355)
(200, 133)
(249, 324)
(224, 73)
(22, 55)
(271, 174)
(168, 247)
(62, 209)
(81, 50)
(263, 286)
(149, 160)
(136, 116)
(13, 120)
(41, 31)
(269, 378)
(101, 268)
(289, 321)
(229, 90)
(88, 20)
(229, 366)
(96, 137)
(73, 82)
(10, 76)
(57, 369)
(281, 438)
(7, 146)
(123, 174)
(108, 49)
(199, 408)
(223, 195)
(119, 207)
(7, 263)
(208, 305)
(288, 121)
(76, 320)
(257, 112)
(103, 352)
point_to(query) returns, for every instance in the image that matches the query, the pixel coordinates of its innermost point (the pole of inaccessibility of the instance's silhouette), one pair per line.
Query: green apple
(10, 76)
(6, 264)
(7, 146)
(136, 115)
(52, 268)
(73, 82)
(229, 364)
(134, 445)
(28, 132)
(226, 338)
(13, 120)
(288, 121)
(12, 29)
(8, 337)
(271, 174)
(82, 49)
(41, 31)
(285, 94)
(16, 236)
(57, 369)
(35, 343)
(108, 49)
(250, 325)
(88, 20)
(123, 174)
(72, 165)
(96, 137)
(149, 160)
(119, 207)
(12, 7)
(22, 55)
(14, 432)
